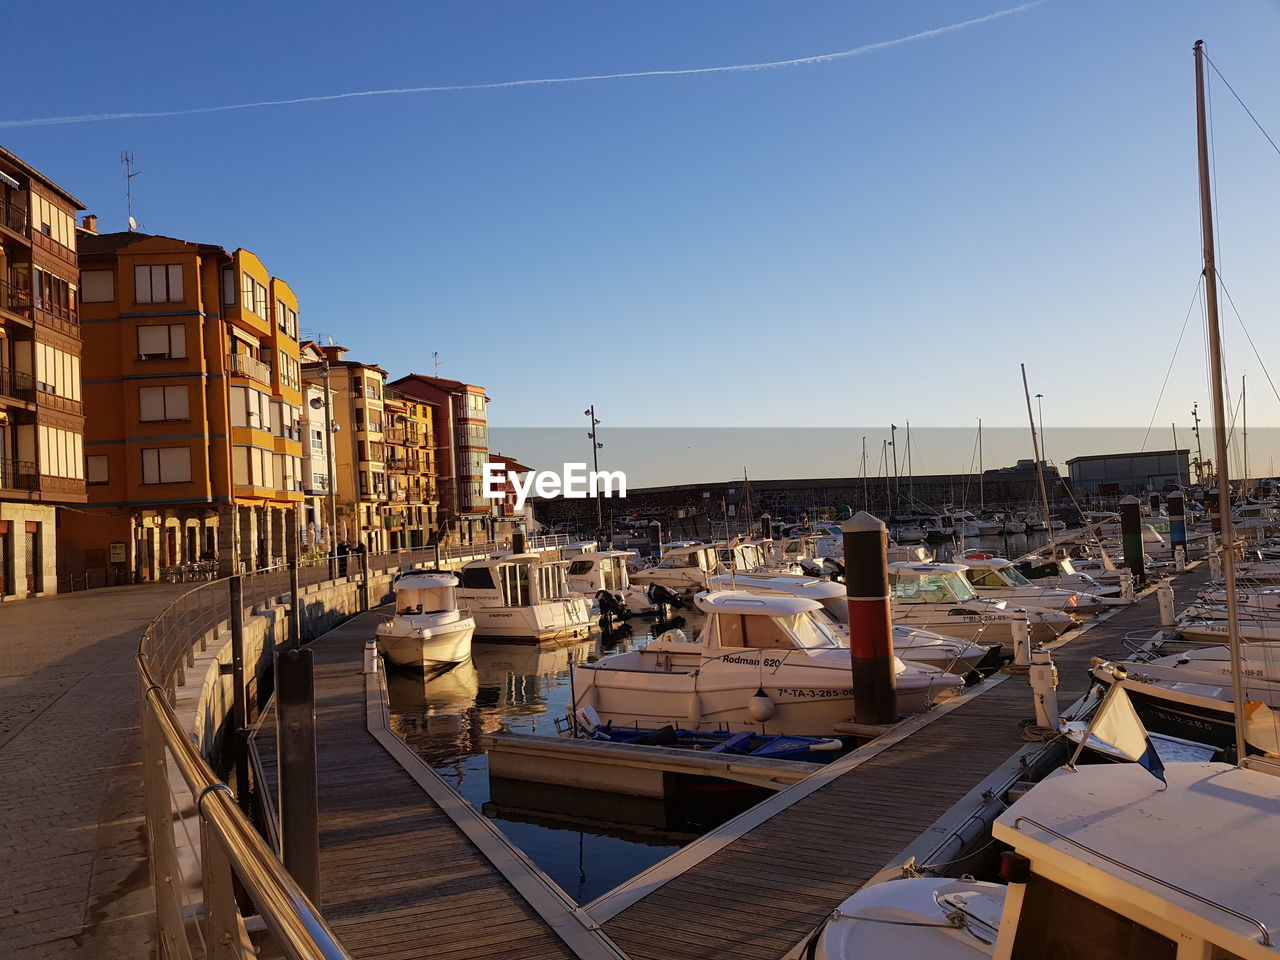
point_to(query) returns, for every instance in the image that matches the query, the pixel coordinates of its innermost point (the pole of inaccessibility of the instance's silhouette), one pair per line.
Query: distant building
(194, 447)
(359, 448)
(1114, 474)
(41, 416)
(504, 510)
(461, 427)
(411, 511)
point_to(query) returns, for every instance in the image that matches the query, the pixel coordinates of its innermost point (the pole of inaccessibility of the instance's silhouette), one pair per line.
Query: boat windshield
(580, 567)
(677, 560)
(1014, 577)
(932, 588)
(810, 632)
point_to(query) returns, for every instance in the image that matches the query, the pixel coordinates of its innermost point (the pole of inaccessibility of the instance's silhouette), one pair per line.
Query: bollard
(1164, 594)
(296, 749)
(1180, 559)
(1043, 677)
(239, 691)
(1215, 566)
(518, 541)
(875, 698)
(1021, 630)
(1131, 535)
(1126, 586)
(1178, 522)
(1155, 504)
(371, 655)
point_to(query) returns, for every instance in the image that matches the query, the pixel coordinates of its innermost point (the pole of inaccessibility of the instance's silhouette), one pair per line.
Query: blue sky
(868, 240)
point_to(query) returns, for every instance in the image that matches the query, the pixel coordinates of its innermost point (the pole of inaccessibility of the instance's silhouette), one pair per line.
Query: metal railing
(14, 217)
(241, 364)
(18, 475)
(228, 844)
(15, 299)
(16, 384)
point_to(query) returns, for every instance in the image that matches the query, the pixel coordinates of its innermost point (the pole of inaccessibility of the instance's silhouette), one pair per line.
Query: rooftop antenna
(126, 158)
(435, 355)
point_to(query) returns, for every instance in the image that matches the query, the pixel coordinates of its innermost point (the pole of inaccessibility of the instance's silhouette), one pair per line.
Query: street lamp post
(590, 413)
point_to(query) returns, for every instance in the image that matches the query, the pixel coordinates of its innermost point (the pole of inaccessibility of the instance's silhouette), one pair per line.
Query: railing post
(295, 594)
(222, 929)
(164, 854)
(296, 749)
(239, 705)
(364, 580)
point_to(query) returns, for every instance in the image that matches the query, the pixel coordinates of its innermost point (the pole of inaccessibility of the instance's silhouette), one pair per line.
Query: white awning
(8, 181)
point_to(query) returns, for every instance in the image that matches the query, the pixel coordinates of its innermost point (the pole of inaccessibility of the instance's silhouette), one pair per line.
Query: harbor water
(587, 844)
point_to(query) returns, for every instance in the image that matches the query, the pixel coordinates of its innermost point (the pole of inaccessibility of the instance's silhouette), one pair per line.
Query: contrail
(507, 84)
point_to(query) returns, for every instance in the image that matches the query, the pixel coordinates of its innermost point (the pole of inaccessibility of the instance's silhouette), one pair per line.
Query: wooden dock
(409, 869)
(764, 880)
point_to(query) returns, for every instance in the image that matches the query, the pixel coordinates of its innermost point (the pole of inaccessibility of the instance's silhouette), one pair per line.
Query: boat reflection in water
(587, 843)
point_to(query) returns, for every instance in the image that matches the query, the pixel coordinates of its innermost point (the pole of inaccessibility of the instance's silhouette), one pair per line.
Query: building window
(52, 293)
(229, 286)
(95, 469)
(166, 465)
(290, 371)
(61, 453)
(254, 296)
(57, 372)
(158, 283)
(162, 403)
(97, 286)
(287, 320)
(250, 408)
(253, 467)
(165, 341)
(317, 441)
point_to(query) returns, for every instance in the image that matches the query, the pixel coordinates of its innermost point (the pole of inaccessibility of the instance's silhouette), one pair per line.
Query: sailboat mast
(982, 500)
(1244, 429)
(1219, 406)
(1035, 448)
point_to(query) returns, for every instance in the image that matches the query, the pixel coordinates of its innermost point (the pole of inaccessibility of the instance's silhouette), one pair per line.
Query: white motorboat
(1106, 865)
(950, 524)
(762, 663)
(427, 629)
(1061, 572)
(950, 654)
(1209, 625)
(682, 569)
(936, 596)
(523, 597)
(994, 577)
(907, 532)
(591, 573)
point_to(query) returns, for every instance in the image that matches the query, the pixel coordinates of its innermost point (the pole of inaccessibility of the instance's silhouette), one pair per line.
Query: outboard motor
(664, 601)
(812, 568)
(611, 606)
(834, 569)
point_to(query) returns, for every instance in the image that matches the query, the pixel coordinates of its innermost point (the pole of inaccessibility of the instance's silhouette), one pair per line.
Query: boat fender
(675, 636)
(761, 706)
(695, 710)
(825, 746)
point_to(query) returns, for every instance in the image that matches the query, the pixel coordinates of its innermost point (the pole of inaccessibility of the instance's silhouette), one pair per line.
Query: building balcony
(15, 299)
(243, 365)
(18, 475)
(17, 385)
(64, 318)
(13, 217)
(404, 465)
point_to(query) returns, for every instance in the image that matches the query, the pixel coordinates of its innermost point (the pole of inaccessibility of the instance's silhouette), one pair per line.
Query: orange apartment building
(192, 370)
(410, 516)
(461, 427)
(41, 412)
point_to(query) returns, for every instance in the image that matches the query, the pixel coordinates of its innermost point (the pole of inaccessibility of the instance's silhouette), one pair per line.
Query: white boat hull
(550, 620)
(405, 646)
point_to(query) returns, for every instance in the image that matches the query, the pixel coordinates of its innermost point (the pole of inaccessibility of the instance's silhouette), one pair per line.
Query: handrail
(1262, 927)
(299, 929)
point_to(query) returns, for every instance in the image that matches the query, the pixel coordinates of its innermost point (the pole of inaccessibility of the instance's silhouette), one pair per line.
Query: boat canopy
(426, 593)
(808, 587)
(735, 601)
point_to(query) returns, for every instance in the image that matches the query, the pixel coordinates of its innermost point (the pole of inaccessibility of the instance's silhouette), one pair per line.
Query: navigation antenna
(126, 158)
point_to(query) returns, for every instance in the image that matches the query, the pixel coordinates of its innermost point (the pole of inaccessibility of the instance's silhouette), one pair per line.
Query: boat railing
(1214, 904)
(202, 846)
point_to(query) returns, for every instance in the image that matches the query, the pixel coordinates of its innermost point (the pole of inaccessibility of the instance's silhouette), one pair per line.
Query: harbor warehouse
(1124, 473)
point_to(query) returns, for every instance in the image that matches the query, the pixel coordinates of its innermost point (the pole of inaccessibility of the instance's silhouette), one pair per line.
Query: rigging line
(1261, 129)
(1265, 372)
(1185, 320)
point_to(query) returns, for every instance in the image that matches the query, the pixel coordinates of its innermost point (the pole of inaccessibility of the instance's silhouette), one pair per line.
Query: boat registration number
(813, 694)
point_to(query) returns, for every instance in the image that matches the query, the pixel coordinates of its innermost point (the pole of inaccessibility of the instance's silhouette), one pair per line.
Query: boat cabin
(599, 570)
(832, 596)
(518, 580)
(984, 570)
(697, 556)
(763, 622)
(422, 593)
(1109, 866)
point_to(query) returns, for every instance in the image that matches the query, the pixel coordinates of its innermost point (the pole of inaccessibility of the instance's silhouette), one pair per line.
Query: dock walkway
(399, 879)
(764, 883)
